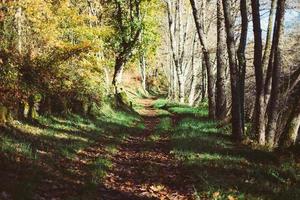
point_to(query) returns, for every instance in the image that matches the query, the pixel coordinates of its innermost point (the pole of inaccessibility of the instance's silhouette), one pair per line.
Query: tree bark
(203, 83)
(194, 76)
(178, 38)
(259, 118)
(142, 63)
(241, 56)
(237, 129)
(221, 103)
(274, 99)
(119, 67)
(268, 54)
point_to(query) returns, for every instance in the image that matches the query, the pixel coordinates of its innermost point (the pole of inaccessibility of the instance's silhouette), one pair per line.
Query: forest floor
(166, 151)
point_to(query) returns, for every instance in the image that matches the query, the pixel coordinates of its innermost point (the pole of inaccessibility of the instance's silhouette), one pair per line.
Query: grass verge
(221, 169)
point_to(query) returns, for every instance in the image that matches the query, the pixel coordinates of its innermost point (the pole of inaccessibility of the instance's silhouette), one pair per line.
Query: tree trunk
(268, 54)
(221, 103)
(241, 56)
(207, 59)
(194, 77)
(181, 86)
(143, 72)
(178, 40)
(175, 83)
(203, 81)
(274, 99)
(19, 23)
(117, 78)
(127, 41)
(237, 129)
(260, 107)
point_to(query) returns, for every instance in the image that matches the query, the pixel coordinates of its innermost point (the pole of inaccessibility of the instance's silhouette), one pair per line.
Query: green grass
(221, 169)
(9, 146)
(165, 125)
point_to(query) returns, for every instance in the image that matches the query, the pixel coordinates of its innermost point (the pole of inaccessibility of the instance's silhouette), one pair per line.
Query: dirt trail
(145, 169)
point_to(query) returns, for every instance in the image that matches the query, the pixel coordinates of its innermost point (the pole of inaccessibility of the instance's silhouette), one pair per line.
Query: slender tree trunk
(170, 88)
(274, 99)
(175, 83)
(207, 59)
(241, 56)
(268, 54)
(172, 80)
(142, 64)
(178, 38)
(221, 103)
(181, 87)
(260, 107)
(18, 18)
(194, 76)
(107, 80)
(203, 83)
(237, 126)
(143, 72)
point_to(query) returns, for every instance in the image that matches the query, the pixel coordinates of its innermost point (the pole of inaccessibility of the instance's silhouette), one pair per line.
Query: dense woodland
(149, 99)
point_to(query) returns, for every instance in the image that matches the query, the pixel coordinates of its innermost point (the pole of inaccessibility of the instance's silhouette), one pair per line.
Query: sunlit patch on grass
(195, 112)
(119, 117)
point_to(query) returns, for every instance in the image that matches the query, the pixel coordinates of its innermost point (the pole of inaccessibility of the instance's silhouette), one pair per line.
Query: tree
(206, 54)
(277, 65)
(127, 21)
(236, 110)
(259, 123)
(221, 103)
(178, 28)
(242, 57)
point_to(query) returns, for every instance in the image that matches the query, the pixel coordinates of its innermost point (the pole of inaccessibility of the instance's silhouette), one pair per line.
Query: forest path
(144, 166)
